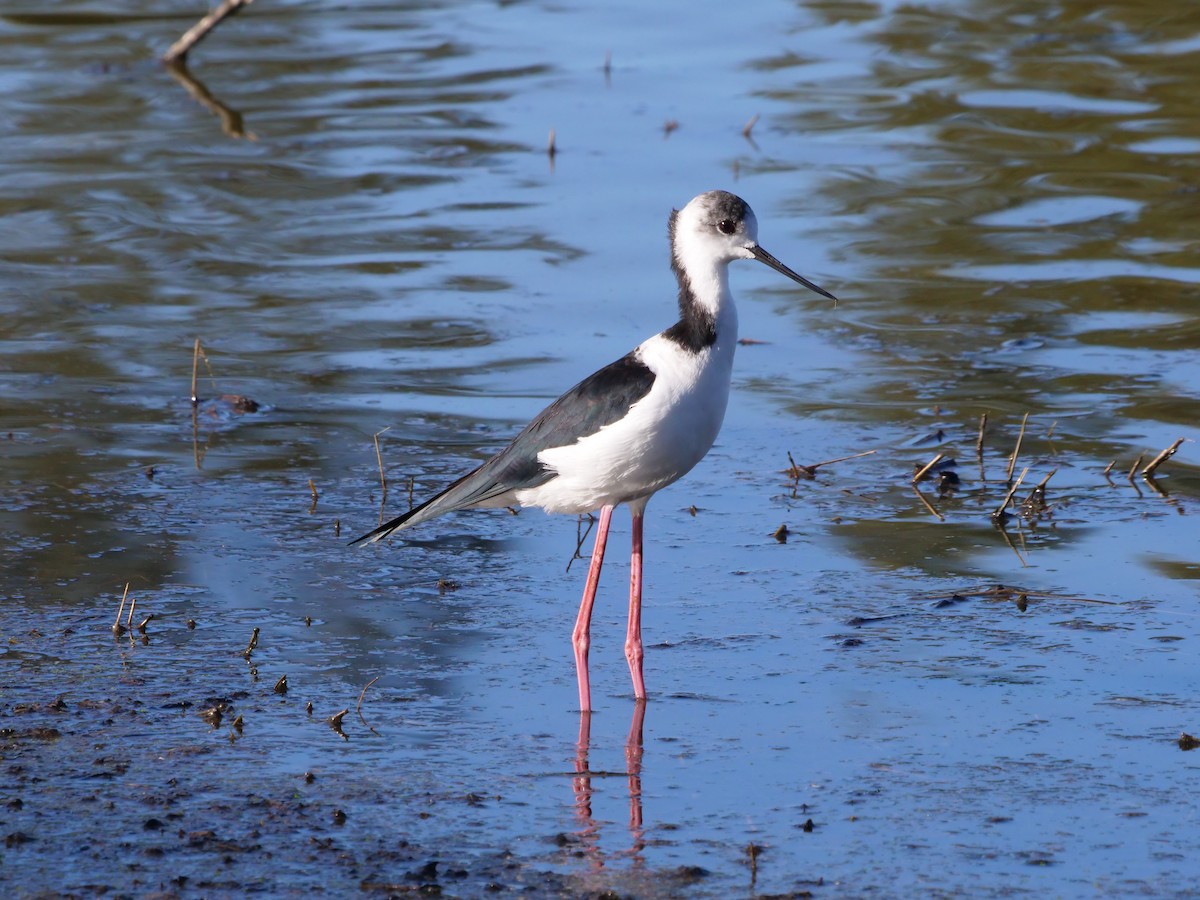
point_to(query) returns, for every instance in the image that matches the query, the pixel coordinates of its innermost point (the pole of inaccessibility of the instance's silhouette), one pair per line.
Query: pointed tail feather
(386, 528)
(473, 489)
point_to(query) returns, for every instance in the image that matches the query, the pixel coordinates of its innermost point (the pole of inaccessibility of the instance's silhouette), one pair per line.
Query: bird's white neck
(706, 309)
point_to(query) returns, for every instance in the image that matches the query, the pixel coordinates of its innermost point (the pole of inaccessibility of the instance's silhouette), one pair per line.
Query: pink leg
(633, 637)
(581, 638)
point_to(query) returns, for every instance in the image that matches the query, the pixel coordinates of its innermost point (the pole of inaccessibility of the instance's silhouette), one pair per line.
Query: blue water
(999, 196)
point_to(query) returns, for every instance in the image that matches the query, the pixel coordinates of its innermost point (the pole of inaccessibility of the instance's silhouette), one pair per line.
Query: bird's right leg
(581, 638)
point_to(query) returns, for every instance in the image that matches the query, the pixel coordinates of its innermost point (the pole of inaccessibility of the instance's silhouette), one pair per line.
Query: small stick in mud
(796, 471)
(752, 851)
(581, 535)
(1148, 472)
(1012, 460)
(313, 489)
(178, 51)
(118, 629)
(196, 351)
(551, 146)
(379, 460)
(1107, 470)
(1136, 465)
(748, 128)
(335, 722)
(1035, 503)
(146, 621)
(358, 707)
(197, 355)
(1008, 497)
(129, 618)
(253, 643)
(979, 440)
(924, 470)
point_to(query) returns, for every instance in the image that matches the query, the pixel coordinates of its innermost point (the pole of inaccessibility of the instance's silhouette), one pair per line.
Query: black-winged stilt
(635, 426)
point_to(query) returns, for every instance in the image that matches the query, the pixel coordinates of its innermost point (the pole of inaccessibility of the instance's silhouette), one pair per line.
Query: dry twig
(358, 708)
(1012, 460)
(179, 50)
(1148, 472)
(379, 459)
(1008, 497)
(1136, 465)
(925, 469)
(117, 627)
(798, 471)
(979, 441)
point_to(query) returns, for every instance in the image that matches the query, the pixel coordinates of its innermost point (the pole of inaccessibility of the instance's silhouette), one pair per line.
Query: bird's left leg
(581, 637)
(633, 637)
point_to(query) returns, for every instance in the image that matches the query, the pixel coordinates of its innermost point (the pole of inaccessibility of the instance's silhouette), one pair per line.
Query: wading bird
(635, 426)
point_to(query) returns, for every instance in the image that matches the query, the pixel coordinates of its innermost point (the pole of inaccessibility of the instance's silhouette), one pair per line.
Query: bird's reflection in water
(589, 832)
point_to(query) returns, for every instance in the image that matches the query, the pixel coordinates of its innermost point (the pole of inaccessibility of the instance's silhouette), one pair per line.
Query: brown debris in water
(924, 470)
(358, 706)
(253, 643)
(117, 628)
(1012, 460)
(178, 51)
(335, 722)
(1162, 457)
(796, 471)
(1008, 593)
(752, 853)
(214, 713)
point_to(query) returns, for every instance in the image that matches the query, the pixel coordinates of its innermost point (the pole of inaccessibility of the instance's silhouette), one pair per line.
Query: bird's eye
(726, 226)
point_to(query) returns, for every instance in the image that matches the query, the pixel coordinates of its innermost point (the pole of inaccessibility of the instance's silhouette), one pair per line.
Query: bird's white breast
(663, 436)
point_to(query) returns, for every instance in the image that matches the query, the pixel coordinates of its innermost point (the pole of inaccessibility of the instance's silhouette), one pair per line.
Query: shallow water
(1003, 197)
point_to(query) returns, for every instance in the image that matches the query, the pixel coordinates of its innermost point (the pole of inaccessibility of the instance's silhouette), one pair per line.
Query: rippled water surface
(353, 209)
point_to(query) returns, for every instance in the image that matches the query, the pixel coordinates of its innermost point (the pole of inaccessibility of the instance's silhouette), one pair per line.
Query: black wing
(600, 399)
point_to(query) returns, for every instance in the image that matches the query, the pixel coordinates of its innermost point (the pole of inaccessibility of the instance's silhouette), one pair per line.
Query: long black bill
(764, 257)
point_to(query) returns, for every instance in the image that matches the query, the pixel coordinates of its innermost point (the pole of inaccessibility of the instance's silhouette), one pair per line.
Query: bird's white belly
(664, 435)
